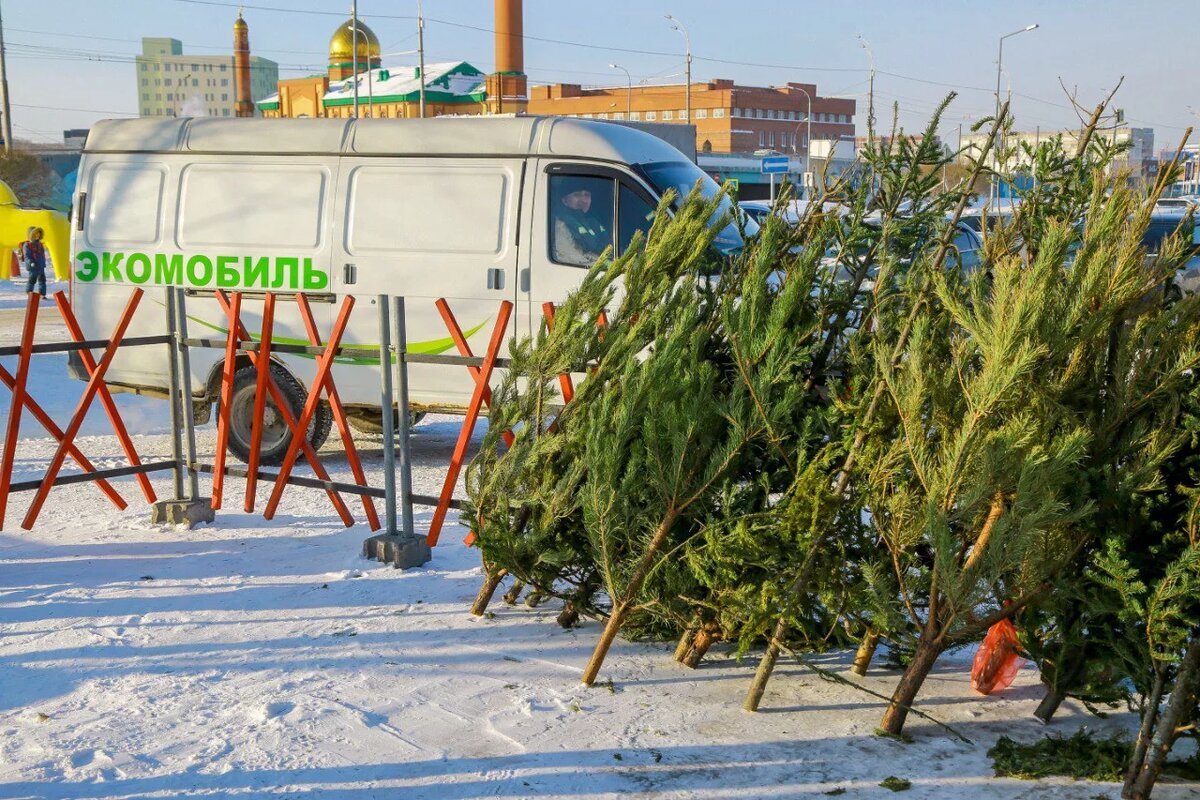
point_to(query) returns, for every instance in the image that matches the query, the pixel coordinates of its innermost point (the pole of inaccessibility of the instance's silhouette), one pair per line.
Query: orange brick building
(728, 118)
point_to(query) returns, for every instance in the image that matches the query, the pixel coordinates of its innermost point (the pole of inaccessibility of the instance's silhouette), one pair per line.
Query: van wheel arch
(292, 389)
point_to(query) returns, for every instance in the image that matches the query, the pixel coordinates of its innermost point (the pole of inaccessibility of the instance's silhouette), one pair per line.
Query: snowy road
(256, 659)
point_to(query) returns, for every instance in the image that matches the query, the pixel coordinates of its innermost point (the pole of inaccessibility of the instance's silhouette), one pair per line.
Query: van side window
(633, 214)
(581, 218)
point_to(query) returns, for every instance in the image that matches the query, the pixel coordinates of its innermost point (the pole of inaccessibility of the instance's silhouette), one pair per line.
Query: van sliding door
(426, 229)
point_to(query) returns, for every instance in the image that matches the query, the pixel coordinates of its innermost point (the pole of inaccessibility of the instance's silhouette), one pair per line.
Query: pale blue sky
(1090, 45)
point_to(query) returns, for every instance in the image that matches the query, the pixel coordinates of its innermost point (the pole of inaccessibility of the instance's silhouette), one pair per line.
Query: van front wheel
(276, 437)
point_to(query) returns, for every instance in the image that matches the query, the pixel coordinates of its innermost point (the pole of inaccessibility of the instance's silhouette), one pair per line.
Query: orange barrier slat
(227, 371)
(95, 382)
(324, 365)
(339, 415)
(464, 349)
(263, 364)
(464, 435)
(74, 452)
(18, 400)
(277, 397)
(566, 387)
(106, 398)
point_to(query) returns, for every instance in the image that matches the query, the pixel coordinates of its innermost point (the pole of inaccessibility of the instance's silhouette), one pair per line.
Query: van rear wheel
(276, 437)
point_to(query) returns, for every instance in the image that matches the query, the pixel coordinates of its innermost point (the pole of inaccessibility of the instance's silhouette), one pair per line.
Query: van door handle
(351, 274)
(495, 278)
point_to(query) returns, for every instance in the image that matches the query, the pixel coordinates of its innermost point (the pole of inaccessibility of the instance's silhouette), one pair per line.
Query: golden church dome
(342, 44)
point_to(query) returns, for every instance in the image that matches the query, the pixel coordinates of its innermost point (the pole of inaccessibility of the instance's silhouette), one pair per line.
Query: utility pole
(687, 40)
(354, 51)
(870, 86)
(421, 56)
(7, 121)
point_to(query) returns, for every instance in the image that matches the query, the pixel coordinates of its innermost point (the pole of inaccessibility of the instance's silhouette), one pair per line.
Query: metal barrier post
(386, 396)
(404, 549)
(404, 418)
(181, 510)
(185, 384)
(173, 390)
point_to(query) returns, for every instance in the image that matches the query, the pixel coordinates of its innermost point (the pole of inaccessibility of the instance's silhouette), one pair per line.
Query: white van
(460, 208)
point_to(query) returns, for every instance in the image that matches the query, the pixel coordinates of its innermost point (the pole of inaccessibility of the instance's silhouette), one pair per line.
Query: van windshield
(682, 177)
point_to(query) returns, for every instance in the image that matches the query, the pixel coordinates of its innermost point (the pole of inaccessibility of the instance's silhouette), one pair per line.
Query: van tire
(276, 436)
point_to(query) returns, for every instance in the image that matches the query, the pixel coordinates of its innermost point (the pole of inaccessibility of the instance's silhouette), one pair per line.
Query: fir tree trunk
(491, 582)
(765, 667)
(1049, 705)
(866, 651)
(1182, 703)
(621, 607)
(514, 593)
(703, 640)
(685, 641)
(910, 684)
(569, 616)
(1146, 730)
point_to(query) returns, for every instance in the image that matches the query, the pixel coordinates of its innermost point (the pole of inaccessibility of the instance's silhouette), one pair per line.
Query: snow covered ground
(255, 659)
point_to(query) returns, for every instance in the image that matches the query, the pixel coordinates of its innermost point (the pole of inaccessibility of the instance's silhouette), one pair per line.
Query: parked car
(1163, 225)
(1175, 204)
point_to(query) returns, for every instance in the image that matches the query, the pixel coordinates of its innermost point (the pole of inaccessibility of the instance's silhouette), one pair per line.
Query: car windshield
(682, 177)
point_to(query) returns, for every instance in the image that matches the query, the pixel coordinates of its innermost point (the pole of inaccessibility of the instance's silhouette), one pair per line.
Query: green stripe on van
(431, 347)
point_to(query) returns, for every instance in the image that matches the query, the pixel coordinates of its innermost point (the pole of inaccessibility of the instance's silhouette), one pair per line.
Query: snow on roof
(453, 81)
(458, 79)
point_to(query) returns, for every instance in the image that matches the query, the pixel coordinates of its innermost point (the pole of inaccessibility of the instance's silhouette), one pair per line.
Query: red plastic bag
(997, 660)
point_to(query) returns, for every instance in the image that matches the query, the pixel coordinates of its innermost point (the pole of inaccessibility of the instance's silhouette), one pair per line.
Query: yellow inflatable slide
(15, 223)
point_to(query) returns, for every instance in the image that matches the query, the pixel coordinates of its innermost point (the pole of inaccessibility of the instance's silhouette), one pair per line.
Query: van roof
(441, 136)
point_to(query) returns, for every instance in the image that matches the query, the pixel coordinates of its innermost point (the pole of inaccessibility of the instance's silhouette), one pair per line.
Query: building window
(683, 114)
(635, 115)
(651, 115)
(158, 96)
(701, 113)
(146, 96)
(224, 81)
(771, 139)
(619, 115)
(668, 115)
(719, 113)
(225, 112)
(222, 68)
(145, 67)
(224, 97)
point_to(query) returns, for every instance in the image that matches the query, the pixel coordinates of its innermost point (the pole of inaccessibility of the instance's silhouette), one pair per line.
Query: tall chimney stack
(243, 105)
(507, 88)
(510, 38)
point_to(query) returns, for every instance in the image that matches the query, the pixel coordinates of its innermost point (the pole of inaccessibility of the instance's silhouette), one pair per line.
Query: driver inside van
(580, 234)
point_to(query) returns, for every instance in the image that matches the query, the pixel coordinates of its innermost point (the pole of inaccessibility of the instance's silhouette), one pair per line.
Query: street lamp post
(807, 137)
(628, 91)
(687, 40)
(999, 65)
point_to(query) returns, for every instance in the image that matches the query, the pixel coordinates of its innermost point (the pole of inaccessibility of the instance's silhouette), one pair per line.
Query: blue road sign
(774, 164)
